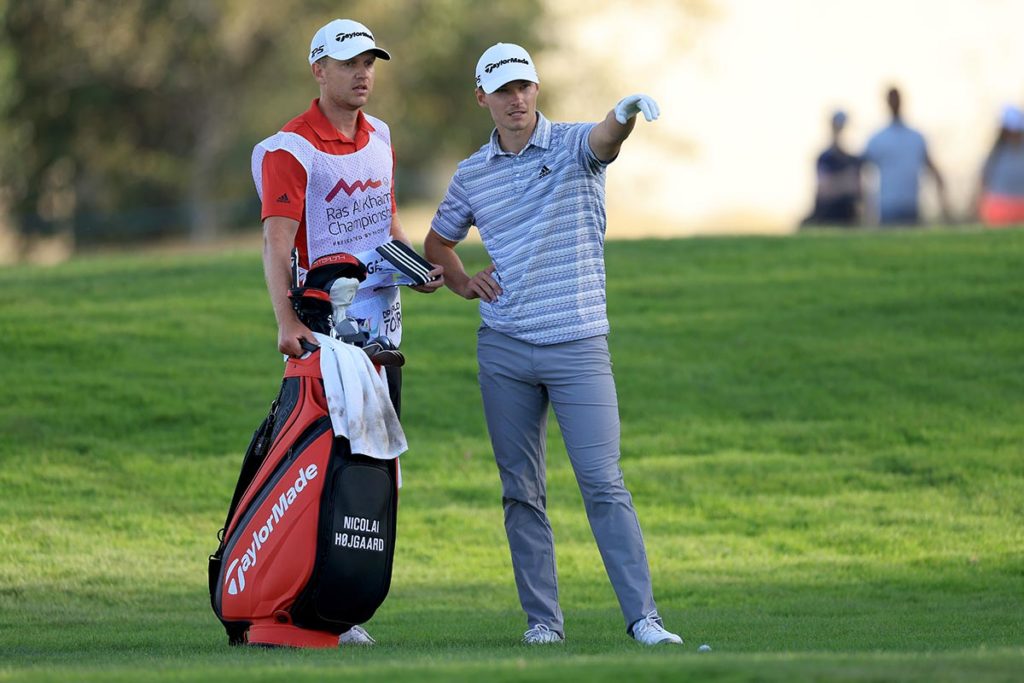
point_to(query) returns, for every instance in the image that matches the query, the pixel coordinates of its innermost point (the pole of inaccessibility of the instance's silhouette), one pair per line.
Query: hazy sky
(746, 90)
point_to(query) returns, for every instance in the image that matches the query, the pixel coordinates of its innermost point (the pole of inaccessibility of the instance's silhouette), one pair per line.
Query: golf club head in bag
(321, 302)
(312, 301)
(382, 351)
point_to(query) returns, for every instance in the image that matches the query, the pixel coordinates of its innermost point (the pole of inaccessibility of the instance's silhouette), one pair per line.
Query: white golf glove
(628, 107)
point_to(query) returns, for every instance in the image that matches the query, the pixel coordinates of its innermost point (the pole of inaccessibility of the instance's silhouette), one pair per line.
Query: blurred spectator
(838, 192)
(900, 153)
(1002, 178)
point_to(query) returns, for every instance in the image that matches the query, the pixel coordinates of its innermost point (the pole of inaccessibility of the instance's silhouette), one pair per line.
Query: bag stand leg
(287, 635)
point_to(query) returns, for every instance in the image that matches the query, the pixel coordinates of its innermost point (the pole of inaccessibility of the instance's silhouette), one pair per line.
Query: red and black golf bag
(307, 547)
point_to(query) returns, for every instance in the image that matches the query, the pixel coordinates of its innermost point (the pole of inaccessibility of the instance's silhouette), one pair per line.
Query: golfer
(535, 192)
(327, 185)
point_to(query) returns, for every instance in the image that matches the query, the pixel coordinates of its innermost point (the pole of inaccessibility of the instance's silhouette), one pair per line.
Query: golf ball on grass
(704, 648)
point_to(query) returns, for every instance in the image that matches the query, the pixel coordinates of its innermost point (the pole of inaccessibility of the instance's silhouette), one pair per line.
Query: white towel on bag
(358, 401)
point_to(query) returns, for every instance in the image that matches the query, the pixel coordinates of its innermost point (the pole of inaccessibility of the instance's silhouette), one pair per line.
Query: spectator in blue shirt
(900, 154)
(535, 192)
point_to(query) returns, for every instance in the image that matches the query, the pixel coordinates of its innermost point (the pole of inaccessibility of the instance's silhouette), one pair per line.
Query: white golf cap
(343, 39)
(503, 63)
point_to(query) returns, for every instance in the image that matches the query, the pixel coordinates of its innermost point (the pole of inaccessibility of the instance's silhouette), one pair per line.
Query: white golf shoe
(542, 635)
(650, 631)
(356, 635)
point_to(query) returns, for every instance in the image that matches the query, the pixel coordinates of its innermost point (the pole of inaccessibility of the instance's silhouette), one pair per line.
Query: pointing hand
(628, 107)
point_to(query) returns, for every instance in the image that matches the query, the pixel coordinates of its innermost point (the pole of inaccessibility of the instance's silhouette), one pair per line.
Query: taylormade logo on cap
(343, 39)
(503, 63)
(491, 67)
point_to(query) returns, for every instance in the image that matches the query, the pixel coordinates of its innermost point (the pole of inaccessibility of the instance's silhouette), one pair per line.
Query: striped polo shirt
(540, 214)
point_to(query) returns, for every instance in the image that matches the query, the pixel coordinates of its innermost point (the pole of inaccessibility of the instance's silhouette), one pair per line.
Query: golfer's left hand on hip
(630, 106)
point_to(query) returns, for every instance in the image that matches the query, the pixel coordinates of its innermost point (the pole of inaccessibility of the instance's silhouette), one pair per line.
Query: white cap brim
(518, 73)
(343, 55)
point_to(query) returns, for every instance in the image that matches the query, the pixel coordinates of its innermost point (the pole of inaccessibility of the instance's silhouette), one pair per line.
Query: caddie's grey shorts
(518, 380)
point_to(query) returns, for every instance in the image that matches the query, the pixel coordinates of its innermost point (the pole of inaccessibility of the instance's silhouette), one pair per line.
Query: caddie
(327, 185)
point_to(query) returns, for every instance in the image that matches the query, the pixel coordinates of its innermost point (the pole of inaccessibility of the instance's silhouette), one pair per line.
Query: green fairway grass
(823, 435)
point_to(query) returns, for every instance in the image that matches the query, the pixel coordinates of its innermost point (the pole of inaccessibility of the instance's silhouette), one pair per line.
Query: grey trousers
(518, 381)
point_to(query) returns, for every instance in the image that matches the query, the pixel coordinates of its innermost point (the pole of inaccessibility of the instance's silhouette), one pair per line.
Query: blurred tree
(127, 107)
(11, 135)
(129, 120)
